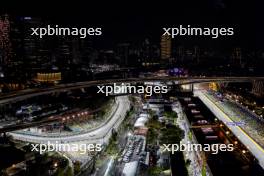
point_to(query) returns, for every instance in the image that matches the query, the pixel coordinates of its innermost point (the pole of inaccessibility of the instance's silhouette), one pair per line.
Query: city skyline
(130, 88)
(139, 22)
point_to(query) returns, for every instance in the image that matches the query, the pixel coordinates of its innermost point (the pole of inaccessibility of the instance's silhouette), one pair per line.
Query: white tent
(130, 169)
(141, 122)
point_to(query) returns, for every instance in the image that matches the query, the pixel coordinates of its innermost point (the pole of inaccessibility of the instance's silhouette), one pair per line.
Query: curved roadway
(99, 135)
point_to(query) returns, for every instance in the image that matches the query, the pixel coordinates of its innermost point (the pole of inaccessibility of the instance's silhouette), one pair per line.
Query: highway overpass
(29, 93)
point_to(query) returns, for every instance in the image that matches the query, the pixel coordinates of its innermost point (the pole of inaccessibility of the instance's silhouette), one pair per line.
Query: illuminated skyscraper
(165, 47)
(258, 87)
(5, 44)
(123, 52)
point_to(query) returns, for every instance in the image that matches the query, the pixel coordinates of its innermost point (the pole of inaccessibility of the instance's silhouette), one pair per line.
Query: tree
(154, 171)
(77, 167)
(171, 135)
(60, 172)
(68, 172)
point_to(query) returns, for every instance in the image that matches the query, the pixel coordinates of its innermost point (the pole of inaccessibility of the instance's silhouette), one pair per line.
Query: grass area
(132, 99)
(163, 134)
(171, 135)
(112, 148)
(154, 171)
(170, 115)
(77, 167)
(106, 108)
(166, 134)
(126, 124)
(66, 172)
(154, 124)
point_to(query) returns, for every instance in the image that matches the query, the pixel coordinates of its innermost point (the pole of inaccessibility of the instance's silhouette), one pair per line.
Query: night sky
(136, 21)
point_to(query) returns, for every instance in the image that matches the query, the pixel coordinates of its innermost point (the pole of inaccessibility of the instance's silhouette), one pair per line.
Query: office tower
(196, 54)
(237, 56)
(87, 52)
(165, 47)
(257, 88)
(64, 52)
(5, 44)
(123, 53)
(180, 53)
(36, 51)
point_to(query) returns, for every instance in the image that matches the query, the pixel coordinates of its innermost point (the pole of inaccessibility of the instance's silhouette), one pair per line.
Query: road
(13, 126)
(99, 135)
(28, 93)
(248, 141)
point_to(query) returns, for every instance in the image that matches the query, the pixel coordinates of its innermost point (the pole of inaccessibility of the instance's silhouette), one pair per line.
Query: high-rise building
(64, 52)
(257, 88)
(149, 53)
(123, 53)
(180, 53)
(237, 56)
(87, 53)
(165, 47)
(35, 49)
(196, 53)
(29, 52)
(5, 44)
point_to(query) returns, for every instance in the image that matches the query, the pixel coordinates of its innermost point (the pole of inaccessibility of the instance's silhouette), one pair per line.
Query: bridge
(29, 93)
